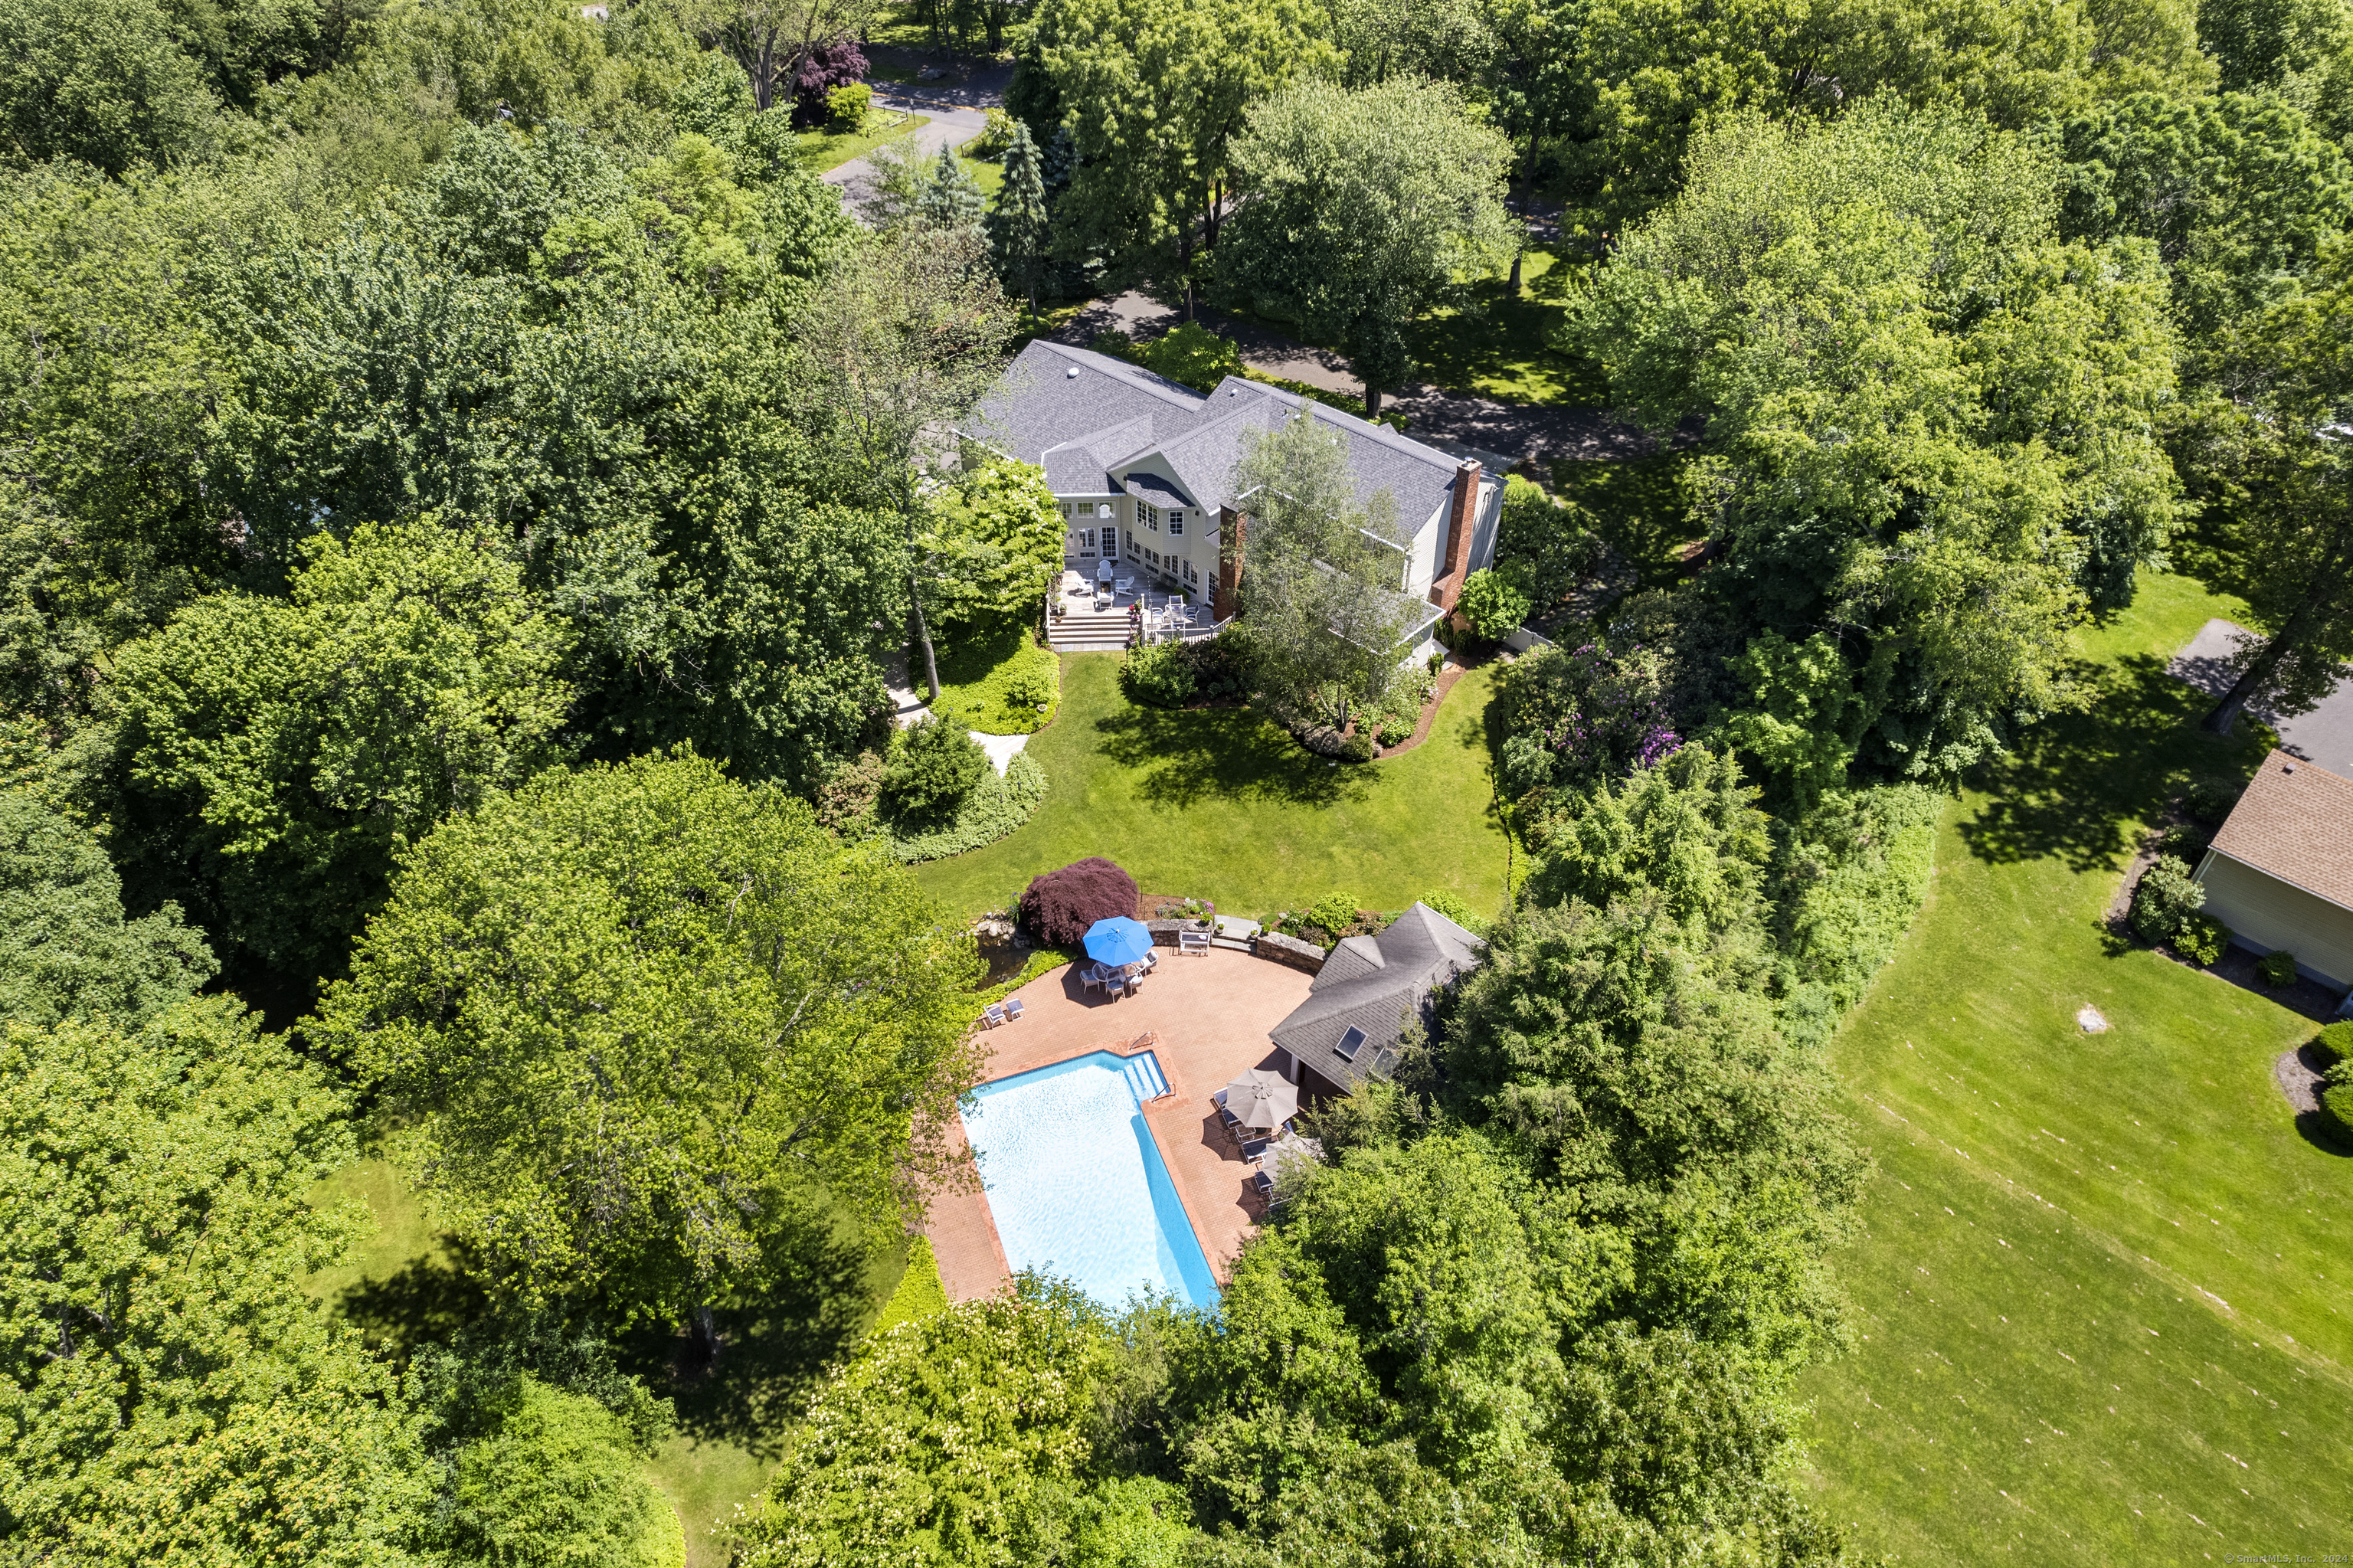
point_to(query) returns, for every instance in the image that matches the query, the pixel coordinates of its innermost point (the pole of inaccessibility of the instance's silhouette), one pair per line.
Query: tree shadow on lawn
(1183, 756)
(773, 1350)
(2078, 784)
(425, 1301)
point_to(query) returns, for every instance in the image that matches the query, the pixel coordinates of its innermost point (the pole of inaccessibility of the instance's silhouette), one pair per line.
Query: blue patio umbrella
(1118, 940)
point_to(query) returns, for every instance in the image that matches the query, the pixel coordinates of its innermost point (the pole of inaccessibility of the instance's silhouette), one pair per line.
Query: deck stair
(1234, 933)
(1144, 1076)
(1082, 629)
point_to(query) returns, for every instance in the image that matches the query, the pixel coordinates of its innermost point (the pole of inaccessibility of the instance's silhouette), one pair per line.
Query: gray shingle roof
(1110, 413)
(1372, 983)
(1037, 404)
(1419, 478)
(1151, 487)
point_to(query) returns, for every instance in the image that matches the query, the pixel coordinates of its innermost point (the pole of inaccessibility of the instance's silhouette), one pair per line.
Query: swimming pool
(1078, 1187)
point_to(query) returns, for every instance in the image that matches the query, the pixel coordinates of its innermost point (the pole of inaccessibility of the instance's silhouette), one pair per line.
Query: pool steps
(1144, 1076)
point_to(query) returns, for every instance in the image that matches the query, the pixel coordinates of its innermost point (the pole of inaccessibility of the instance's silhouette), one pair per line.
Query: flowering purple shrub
(828, 66)
(1600, 713)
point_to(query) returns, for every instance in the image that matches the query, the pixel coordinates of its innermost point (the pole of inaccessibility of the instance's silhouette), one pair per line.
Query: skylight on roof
(1350, 1043)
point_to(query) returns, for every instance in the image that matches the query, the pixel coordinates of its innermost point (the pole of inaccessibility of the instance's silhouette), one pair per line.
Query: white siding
(1483, 528)
(2264, 913)
(1429, 546)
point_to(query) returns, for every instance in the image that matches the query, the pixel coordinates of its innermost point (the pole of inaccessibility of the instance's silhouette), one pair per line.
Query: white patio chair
(1012, 1007)
(1124, 587)
(992, 1015)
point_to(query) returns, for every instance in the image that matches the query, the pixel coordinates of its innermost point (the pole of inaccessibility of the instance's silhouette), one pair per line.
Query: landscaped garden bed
(1000, 681)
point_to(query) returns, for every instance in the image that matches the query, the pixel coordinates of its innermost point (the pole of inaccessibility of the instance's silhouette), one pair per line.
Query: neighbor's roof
(2296, 823)
(1371, 984)
(1080, 415)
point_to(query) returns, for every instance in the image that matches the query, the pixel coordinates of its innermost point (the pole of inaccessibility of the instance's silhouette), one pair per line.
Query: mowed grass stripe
(2019, 1390)
(2100, 1274)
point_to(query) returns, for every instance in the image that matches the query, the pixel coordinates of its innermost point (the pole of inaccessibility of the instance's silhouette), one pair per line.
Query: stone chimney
(1461, 519)
(1230, 527)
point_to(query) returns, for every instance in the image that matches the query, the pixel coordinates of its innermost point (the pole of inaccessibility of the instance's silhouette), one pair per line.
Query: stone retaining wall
(1288, 950)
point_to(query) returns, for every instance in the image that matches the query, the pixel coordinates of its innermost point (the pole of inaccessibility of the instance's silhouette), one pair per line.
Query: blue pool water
(1077, 1185)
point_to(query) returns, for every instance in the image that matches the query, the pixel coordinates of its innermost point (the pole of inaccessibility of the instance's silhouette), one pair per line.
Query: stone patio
(1208, 1018)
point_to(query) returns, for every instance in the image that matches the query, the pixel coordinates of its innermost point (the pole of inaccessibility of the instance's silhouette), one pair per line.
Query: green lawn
(823, 150)
(975, 671)
(2099, 1296)
(1220, 804)
(1640, 508)
(988, 172)
(1499, 343)
(403, 1285)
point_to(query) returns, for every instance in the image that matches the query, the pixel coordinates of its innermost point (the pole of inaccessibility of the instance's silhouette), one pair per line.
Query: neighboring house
(1348, 1027)
(1143, 469)
(2280, 873)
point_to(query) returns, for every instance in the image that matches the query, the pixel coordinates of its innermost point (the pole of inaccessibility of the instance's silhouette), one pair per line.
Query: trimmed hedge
(2336, 1110)
(2333, 1043)
(991, 809)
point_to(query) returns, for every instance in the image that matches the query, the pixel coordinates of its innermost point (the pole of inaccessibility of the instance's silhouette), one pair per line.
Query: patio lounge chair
(1254, 1149)
(1260, 1183)
(993, 1015)
(1012, 1007)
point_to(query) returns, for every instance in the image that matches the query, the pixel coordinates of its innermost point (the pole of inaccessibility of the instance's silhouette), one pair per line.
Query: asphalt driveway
(2323, 737)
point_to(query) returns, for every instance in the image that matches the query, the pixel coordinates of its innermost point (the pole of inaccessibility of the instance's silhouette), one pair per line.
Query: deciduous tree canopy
(646, 1020)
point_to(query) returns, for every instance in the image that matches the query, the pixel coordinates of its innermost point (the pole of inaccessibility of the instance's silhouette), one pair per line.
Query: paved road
(957, 95)
(2323, 737)
(950, 126)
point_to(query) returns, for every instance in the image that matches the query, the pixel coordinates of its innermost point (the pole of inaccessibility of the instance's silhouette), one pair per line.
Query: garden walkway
(1208, 1018)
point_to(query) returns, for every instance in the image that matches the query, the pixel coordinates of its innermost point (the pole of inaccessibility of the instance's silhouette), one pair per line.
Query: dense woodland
(460, 475)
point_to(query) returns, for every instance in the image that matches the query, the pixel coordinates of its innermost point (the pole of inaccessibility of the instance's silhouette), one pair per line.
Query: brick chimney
(1461, 518)
(1230, 527)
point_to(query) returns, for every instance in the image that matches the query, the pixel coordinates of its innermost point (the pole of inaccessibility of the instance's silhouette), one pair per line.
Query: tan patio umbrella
(1262, 1099)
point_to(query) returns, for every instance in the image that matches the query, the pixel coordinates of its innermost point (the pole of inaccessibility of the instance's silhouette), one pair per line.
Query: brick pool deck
(1209, 1017)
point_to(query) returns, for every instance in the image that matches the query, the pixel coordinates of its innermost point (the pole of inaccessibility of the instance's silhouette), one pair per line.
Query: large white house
(1143, 469)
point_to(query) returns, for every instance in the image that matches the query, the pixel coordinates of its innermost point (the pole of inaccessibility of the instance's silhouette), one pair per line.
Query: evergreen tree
(951, 198)
(1018, 223)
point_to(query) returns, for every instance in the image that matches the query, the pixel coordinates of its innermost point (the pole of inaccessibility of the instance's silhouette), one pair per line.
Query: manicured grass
(987, 171)
(2099, 1294)
(823, 150)
(974, 672)
(403, 1285)
(400, 1234)
(1500, 342)
(1221, 804)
